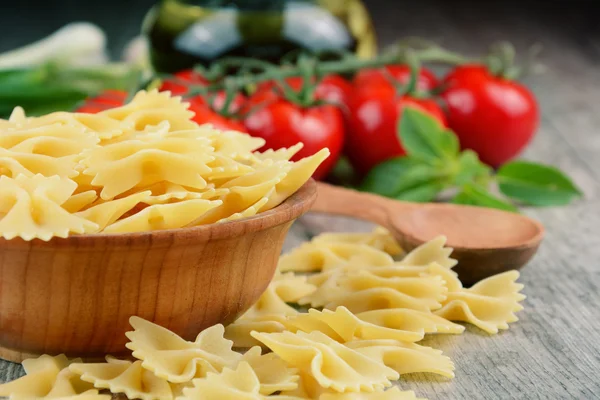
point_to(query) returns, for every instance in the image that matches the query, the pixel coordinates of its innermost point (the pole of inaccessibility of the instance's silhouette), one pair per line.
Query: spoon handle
(365, 206)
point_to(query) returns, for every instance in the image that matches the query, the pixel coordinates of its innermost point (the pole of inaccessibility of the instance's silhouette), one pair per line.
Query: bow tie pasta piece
(122, 166)
(225, 168)
(163, 216)
(346, 326)
(232, 144)
(403, 319)
(152, 108)
(405, 358)
(361, 290)
(380, 239)
(429, 252)
(376, 299)
(391, 394)
(330, 363)
(54, 147)
(283, 289)
(272, 372)
(333, 282)
(239, 384)
(167, 192)
(299, 173)
(175, 359)
(79, 201)
(13, 164)
(430, 291)
(16, 119)
(106, 213)
(244, 192)
(46, 137)
(282, 154)
(30, 207)
(489, 305)
(47, 377)
(318, 256)
(239, 331)
(101, 126)
(122, 376)
(178, 118)
(248, 212)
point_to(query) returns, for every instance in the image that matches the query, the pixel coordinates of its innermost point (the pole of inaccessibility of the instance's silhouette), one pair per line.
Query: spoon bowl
(486, 241)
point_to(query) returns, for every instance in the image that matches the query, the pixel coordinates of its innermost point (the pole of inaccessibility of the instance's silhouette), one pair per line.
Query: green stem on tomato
(415, 66)
(321, 68)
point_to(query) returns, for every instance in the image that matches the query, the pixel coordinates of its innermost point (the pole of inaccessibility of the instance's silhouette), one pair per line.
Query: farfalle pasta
(141, 167)
(390, 394)
(49, 378)
(122, 376)
(175, 359)
(284, 288)
(380, 239)
(30, 207)
(489, 305)
(377, 311)
(317, 256)
(330, 363)
(405, 358)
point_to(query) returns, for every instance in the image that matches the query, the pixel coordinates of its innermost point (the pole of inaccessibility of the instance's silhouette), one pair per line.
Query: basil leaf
(395, 176)
(536, 184)
(470, 169)
(421, 194)
(477, 195)
(423, 137)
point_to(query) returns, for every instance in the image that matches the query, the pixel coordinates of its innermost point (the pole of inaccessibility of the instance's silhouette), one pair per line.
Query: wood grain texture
(75, 295)
(553, 352)
(486, 241)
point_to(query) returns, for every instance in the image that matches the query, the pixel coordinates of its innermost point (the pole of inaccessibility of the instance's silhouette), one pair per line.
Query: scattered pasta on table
(341, 320)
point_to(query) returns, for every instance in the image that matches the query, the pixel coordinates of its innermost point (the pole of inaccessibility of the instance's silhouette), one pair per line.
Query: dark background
(453, 22)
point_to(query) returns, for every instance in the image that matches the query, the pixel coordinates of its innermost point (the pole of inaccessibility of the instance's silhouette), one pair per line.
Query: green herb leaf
(424, 138)
(536, 184)
(421, 194)
(472, 170)
(477, 195)
(394, 177)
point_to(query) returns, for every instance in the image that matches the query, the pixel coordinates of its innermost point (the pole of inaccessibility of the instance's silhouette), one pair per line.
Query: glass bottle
(183, 33)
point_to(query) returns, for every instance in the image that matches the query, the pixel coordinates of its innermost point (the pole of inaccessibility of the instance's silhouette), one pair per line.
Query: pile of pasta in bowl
(141, 167)
(341, 320)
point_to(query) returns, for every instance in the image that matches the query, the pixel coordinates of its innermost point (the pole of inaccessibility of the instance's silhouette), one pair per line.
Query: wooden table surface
(553, 352)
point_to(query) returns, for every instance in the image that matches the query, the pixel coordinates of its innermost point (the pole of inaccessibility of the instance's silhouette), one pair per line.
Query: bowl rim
(294, 206)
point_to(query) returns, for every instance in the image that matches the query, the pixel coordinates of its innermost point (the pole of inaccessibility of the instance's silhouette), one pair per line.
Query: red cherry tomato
(205, 114)
(493, 116)
(401, 73)
(107, 99)
(374, 114)
(181, 81)
(332, 88)
(283, 124)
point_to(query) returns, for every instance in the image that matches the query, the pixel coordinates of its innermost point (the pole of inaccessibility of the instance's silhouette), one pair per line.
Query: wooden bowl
(75, 295)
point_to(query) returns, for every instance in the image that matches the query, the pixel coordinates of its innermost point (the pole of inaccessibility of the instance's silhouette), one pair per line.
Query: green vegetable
(535, 184)
(395, 177)
(74, 44)
(424, 139)
(434, 163)
(476, 195)
(52, 87)
(58, 72)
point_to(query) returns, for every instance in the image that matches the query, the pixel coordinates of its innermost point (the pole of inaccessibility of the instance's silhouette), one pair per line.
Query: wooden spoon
(486, 241)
